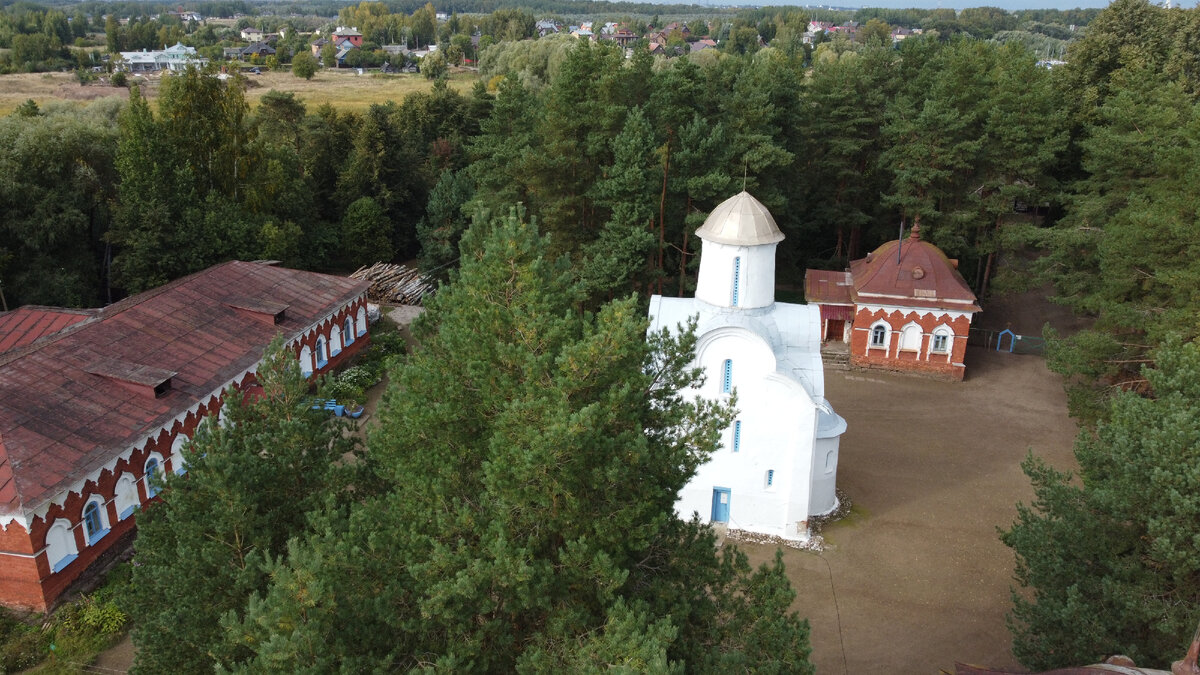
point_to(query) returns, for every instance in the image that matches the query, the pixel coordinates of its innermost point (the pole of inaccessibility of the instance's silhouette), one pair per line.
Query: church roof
(918, 275)
(740, 220)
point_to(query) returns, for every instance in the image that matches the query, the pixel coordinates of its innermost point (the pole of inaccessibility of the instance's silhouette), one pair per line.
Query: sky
(1010, 5)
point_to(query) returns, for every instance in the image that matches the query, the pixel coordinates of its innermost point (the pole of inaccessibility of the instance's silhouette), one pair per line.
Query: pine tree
(1112, 560)
(532, 455)
(250, 485)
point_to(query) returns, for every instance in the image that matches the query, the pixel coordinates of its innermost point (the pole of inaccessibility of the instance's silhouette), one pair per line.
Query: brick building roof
(25, 325)
(72, 401)
(919, 275)
(827, 287)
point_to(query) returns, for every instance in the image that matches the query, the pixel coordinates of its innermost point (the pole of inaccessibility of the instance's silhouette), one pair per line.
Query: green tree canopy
(1110, 564)
(532, 455)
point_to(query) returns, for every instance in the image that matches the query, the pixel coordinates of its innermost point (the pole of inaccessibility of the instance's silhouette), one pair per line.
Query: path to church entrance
(920, 577)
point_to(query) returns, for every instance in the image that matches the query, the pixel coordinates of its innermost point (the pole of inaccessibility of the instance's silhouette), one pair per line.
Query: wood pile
(394, 284)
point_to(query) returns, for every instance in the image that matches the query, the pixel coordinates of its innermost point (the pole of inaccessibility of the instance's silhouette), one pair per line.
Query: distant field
(344, 89)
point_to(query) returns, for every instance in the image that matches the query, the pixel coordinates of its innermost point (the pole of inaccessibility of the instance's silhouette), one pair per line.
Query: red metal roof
(24, 325)
(59, 421)
(827, 287)
(919, 275)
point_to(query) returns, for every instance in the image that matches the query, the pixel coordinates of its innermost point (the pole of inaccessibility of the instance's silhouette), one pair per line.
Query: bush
(119, 79)
(304, 65)
(23, 647)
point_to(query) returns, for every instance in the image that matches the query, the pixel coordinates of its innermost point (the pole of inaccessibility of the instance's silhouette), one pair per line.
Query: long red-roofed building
(903, 307)
(92, 402)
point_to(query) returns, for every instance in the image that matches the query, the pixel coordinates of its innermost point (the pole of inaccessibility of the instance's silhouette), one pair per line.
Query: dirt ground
(920, 577)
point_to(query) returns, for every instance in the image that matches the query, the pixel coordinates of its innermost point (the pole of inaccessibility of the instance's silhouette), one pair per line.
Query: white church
(777, 465)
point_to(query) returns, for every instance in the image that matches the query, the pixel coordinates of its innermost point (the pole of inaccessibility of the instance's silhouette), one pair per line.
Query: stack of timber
(394, 284)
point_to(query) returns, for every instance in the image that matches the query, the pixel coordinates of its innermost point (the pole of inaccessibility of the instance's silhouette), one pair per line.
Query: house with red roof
(93, 403)
(904, 307)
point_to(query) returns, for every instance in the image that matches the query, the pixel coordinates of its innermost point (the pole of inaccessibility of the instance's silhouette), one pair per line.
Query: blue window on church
(770, 477)
(727, 377)
(737, 279)
(737, 435)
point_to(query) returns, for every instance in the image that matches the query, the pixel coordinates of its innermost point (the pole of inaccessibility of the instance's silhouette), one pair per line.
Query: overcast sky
(960, 4)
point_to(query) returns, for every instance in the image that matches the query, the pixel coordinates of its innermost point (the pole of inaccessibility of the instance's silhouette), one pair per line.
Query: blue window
(151, 474)
(93, 523)
(737, 278)
(770, 477)
(727, 377)
(322, 357)
(737, 435)
(348, 331)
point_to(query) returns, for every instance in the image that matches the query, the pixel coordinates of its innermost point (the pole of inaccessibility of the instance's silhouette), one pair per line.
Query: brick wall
(949, 365)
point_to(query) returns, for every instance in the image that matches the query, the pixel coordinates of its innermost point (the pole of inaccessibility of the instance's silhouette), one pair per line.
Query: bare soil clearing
(932, 469)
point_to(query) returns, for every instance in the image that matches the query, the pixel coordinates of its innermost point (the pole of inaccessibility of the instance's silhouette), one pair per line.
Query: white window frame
(348, 331)
(178, 464)
(126, 496)
(61, 549)
(910, 331)
(887, 335)
(361, 321)
(945, 332)
(306, 361)
(102, 513)
(151, 491)
(335, 341)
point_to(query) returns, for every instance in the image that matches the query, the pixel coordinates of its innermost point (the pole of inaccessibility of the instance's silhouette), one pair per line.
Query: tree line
(620, 159)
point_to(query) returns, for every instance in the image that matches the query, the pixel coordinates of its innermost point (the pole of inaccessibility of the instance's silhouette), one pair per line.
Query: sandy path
(932, 469)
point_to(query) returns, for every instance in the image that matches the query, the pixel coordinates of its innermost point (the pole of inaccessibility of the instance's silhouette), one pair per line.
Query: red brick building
(903, 307)
(93, 402)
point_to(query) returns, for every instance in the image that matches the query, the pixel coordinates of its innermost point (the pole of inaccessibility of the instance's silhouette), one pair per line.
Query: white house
(777, 466)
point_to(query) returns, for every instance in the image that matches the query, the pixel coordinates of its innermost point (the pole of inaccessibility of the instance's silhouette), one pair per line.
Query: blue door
(720, 510)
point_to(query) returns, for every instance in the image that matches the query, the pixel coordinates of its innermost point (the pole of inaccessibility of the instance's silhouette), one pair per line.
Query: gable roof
(25, 325)
(827, 287)
(66, 404)
(917, 275)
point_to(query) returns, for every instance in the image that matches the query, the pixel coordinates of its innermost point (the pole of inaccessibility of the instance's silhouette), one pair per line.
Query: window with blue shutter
(727, 377)
(737, 435)
(770, 477)
(737, 279)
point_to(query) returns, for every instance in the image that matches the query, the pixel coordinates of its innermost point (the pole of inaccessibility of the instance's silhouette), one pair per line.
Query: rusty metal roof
(827, 287)
(911, 273)
(62, 413)
(26, 325)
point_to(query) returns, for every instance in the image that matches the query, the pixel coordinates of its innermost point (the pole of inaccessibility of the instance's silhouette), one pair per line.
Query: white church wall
(756, 275)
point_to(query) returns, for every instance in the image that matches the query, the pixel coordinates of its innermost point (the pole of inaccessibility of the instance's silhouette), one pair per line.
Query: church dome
(740, 220)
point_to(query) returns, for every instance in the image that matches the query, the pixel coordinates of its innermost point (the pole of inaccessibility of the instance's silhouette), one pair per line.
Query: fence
(1007, 341)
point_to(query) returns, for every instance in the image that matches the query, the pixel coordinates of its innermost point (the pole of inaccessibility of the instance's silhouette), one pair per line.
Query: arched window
(879, 336)
(335, 341)
(177, 460)
(942, 337)
(829, 462)
(152, 474)
(737, 279)
(348, 331)
(127, 496)
(306, 364)
(60, 545)
(95, 521)
(361, 320)
(910, 338)
(322, 353)
(727, 376)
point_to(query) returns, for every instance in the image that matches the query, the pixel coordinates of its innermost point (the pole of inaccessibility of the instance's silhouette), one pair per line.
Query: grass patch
(68, 639)
(344, 89)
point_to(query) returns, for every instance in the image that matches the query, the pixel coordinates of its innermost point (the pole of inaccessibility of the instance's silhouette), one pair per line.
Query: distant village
(671, 39)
